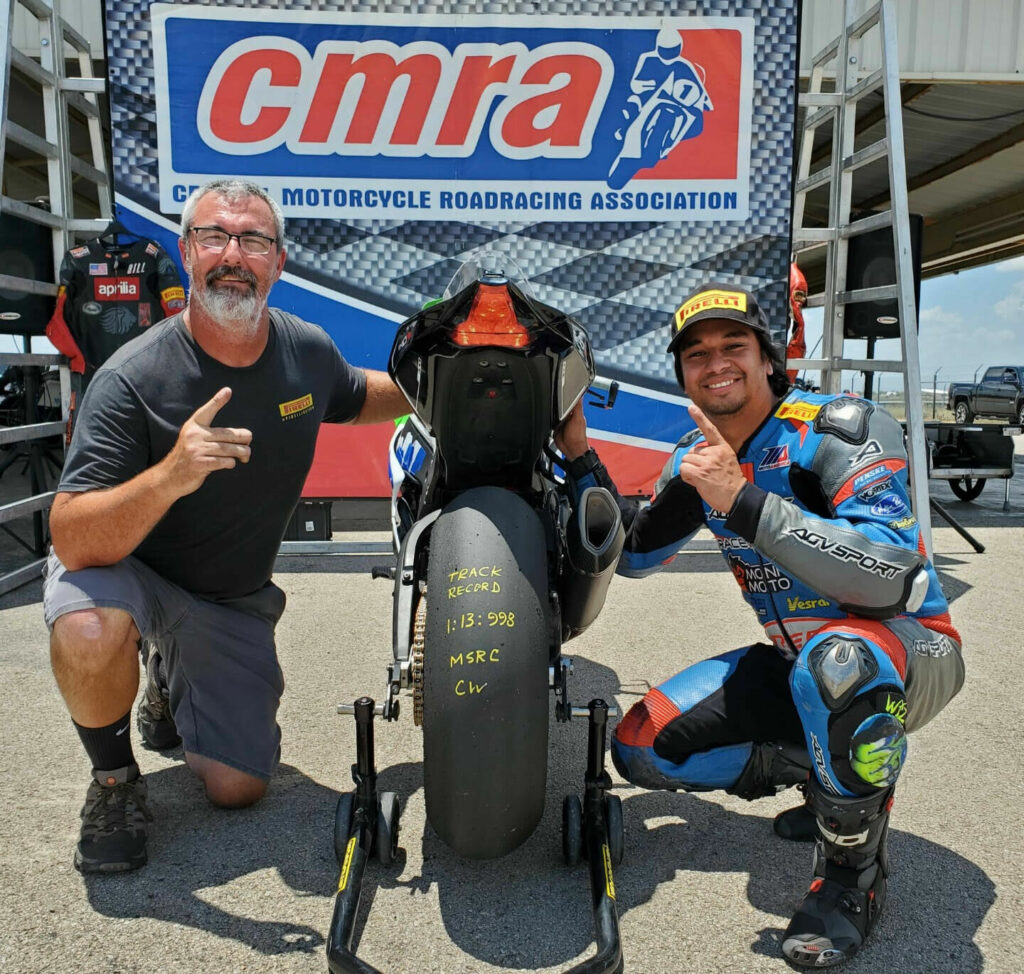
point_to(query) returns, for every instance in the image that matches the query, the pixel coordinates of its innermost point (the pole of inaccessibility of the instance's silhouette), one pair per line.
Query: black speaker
(26, 250)
(871, 262)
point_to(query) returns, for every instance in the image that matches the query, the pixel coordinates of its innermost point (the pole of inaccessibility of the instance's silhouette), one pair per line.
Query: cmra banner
(621, 160)
(459, 117)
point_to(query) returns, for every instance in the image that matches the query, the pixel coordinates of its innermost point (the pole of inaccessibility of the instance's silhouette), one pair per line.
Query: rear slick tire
(485, 673)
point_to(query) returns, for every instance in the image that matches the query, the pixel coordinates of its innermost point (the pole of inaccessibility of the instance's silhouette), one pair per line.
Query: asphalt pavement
(704, 885)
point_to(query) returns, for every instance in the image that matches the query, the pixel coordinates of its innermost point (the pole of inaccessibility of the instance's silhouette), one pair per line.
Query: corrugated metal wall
(983, 39)
(938, 38)
(85, 16)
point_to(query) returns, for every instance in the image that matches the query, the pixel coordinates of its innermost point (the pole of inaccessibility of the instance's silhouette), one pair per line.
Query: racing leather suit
(109, 293)
(826, 551)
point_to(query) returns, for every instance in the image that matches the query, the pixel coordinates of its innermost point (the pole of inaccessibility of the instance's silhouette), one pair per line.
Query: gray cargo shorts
(223, 676)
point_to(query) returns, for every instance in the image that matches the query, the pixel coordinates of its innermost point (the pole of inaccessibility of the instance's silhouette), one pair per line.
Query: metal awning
(962, 88)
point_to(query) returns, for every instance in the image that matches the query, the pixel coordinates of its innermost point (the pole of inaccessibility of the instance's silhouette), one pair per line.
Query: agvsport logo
(438, 116)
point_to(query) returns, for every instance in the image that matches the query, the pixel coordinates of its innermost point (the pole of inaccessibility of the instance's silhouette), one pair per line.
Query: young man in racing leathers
(807, 497)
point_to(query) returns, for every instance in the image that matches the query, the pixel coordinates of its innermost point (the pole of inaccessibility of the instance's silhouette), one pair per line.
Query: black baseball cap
(715, 301)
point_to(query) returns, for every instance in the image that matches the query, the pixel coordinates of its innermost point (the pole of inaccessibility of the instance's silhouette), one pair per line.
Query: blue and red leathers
(826, 551)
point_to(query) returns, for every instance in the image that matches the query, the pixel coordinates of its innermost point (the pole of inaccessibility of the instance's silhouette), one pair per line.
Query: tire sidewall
(485, 706)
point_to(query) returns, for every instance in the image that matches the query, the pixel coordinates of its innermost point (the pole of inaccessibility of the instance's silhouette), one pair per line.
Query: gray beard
(239, 314)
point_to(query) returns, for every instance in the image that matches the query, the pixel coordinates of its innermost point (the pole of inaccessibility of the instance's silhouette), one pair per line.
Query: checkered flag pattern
(621, 280)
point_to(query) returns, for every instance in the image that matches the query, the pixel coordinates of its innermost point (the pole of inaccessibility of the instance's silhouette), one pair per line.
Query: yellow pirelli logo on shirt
(803, 411)
(296, 407)
(735, 300)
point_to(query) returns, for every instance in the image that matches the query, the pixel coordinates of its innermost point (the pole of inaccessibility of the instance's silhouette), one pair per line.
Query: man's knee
(851, 701)
(644, 755)
(654, 744)
(632, 748)
(92, 639)
(225, 786)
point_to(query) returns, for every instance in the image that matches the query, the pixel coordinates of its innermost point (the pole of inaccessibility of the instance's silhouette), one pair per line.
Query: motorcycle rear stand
(358, 829)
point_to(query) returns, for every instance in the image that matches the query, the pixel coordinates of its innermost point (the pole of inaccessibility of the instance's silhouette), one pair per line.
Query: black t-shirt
(220, 541)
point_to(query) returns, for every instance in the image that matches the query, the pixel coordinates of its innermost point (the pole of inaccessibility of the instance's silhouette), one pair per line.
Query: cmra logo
(380, 115)
(372, 98)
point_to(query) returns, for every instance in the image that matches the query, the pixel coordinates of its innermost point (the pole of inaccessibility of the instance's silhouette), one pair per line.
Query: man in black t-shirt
(189, 455)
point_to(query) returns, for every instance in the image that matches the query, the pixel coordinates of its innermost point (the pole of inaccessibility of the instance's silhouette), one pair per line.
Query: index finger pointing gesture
(202, 448)
(710, 431)
(205, 414)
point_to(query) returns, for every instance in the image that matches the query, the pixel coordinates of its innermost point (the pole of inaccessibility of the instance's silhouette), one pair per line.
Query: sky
(969, 320)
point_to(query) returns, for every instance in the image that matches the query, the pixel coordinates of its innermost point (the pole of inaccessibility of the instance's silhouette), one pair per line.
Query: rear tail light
(491, 321)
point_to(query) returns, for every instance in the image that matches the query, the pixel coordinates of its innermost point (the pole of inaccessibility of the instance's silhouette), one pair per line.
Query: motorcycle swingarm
(406, 590)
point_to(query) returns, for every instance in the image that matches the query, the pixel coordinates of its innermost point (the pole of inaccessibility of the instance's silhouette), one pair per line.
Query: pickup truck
(1000, 394)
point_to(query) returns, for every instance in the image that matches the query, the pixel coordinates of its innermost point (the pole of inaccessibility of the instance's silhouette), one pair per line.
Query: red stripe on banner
(352, 461)
(634, 469)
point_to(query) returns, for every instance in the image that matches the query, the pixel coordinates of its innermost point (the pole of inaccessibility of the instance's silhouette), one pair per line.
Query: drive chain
(419, 629)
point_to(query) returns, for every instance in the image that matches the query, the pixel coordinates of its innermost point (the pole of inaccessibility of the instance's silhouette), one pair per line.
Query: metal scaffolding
(840, 60)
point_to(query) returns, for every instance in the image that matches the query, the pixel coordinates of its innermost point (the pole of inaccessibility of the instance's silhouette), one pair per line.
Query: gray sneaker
(154, 720)
(114, 817)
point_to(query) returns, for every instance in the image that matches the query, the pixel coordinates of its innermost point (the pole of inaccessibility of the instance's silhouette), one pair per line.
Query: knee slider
(863, 716)
(878, 748)
(869, 741)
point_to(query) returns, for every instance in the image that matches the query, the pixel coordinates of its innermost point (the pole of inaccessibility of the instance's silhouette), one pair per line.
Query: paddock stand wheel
(572, 829)
(967, 488)
(364, 822)
(616, 831)
(386, 841)
(602, 842)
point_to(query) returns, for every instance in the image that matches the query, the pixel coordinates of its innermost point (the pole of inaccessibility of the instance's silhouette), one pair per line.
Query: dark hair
(778, 381)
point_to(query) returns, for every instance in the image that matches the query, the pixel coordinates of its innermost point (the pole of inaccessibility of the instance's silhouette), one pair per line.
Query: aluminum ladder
(58, 44)
(841, 59)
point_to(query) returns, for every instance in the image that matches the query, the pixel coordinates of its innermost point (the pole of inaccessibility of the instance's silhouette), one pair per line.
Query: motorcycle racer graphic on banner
(666, 107)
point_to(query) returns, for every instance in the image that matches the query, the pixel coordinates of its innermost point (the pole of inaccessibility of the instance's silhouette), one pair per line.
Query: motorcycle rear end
(496, 566)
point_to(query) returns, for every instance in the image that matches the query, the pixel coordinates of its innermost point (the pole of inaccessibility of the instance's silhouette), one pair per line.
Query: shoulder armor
(689, 438)
(846, 417)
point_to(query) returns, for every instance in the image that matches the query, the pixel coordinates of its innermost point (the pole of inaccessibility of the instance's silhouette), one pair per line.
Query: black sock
(109, 748)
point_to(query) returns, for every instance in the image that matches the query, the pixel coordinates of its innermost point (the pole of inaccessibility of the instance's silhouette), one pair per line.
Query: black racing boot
(797, 824)
(153, 718)
(848, 891)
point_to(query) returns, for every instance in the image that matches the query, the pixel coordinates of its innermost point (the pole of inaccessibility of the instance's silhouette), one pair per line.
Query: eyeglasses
(213, 238)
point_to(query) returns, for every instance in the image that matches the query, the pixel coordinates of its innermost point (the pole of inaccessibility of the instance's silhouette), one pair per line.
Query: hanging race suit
(110, 293)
